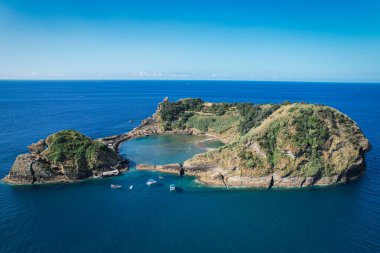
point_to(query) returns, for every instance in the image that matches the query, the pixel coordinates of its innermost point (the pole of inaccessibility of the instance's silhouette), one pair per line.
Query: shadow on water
(179, 189)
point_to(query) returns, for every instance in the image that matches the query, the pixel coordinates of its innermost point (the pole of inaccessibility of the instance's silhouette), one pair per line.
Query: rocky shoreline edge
(217, 177)
(212, 175)
(31, 168)
(39, 166)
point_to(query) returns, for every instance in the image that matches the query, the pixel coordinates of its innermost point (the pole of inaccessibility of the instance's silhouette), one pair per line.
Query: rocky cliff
(287, 145)
(269, 145)
(66, 156)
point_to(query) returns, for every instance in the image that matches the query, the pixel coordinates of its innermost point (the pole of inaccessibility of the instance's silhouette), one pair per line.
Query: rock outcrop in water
(66, 156)
(269, 145)
(287, 145)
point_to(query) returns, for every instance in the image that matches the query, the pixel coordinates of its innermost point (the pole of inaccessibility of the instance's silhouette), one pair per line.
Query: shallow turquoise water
(165, 149)
(91, 217)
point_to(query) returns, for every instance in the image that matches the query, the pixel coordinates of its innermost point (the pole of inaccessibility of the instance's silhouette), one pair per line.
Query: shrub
(219, 109)
(171, 111)
(251, 161)
(311, 131)
(313, 168)
(269, 142)
(74, 148)
(199, 122)
(253, 115)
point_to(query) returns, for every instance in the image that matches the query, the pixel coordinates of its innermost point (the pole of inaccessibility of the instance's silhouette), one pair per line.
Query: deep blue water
(91, 217)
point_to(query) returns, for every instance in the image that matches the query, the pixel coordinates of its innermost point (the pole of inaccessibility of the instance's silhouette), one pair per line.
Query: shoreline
(197, 180)
(209, 172)
(216, 178)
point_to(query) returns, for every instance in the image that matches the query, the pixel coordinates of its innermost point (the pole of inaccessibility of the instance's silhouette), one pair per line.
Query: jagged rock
(174, 167)
(145, 167)
(309, 181)
(38, 147)
(121, 165)
(168, 168)
(21, 171)
(252, 182)
(66, 156)
(213, 177)
(193, 165)
(327, 180)
(306, 144)
(288, 182)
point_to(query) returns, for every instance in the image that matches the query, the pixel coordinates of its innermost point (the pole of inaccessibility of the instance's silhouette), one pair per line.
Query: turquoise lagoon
(165, 149)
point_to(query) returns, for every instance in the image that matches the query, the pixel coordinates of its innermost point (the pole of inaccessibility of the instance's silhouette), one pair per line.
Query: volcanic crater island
(265, 145)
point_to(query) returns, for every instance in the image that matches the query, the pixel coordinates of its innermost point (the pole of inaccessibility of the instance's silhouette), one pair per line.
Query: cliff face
(288, 145)
(65, 156)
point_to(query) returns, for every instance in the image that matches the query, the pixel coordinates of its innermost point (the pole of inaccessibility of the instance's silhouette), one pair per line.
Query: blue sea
(91, 217)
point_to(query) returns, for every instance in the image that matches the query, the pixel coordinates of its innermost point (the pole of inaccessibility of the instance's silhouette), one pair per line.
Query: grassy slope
(295, 140)
(226, 120)
(77, 154)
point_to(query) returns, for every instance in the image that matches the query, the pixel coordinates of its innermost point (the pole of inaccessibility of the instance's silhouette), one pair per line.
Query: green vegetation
(217, 117)
(219, 109)
(216, 124)
(252, 115)
(251, 161)
(313, 168)
(307, 133)
(269, 142)
(172, 111)
(200, 122)
(67, 144)
(77, 153)
(193, 113)
(290, 139)
(311, 131)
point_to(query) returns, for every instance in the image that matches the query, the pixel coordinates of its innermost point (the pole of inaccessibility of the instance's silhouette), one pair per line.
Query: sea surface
(91, 217)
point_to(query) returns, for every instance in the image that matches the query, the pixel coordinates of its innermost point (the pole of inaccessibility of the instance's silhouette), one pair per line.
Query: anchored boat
(150, 182)
(172, 187)
(115, 186)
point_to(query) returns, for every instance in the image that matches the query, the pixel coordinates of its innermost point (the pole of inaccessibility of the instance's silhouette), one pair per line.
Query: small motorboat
(172, 187)
(161, 177)
(150, 182)
(130, 187)
(115, 186)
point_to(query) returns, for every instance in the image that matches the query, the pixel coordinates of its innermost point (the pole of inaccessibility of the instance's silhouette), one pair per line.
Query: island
(66, 156)
(266, 145)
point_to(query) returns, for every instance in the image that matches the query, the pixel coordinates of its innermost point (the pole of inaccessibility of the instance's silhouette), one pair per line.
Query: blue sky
(198, 39)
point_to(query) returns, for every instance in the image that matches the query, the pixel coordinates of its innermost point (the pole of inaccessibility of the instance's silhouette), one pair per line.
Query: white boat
(172, 187)
(161, 177)
(110, 173)
(130, 187)
(115, 186)
(150, 182)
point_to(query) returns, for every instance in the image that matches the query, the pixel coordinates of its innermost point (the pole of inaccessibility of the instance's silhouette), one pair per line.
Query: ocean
(89, 216)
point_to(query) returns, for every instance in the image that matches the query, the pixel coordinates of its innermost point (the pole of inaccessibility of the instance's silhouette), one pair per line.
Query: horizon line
(185, 80)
